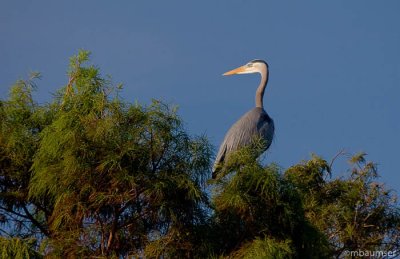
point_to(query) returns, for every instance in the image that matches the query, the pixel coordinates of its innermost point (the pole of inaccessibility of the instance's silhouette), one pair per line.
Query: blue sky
(334, 65)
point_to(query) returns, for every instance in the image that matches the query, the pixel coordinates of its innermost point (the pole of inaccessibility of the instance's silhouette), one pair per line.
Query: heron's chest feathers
(254, 122)
(264, 120)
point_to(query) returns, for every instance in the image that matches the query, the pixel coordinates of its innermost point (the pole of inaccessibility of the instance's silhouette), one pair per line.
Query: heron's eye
(250, 64)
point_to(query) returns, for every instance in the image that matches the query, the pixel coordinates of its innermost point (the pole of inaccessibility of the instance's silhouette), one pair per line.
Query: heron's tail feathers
(215, 170)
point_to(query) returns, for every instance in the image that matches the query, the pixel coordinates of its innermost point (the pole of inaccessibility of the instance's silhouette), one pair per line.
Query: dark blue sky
(334, 65)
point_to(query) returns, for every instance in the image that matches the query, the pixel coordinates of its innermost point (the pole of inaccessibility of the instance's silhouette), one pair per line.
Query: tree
(102, 177)
(21, 120)
(259, 213)
(91, 175)
(355, 213)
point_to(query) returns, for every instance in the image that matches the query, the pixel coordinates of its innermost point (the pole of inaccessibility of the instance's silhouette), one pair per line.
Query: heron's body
(254, 124)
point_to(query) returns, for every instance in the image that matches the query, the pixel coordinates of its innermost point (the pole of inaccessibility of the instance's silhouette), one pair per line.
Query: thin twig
(341, 152)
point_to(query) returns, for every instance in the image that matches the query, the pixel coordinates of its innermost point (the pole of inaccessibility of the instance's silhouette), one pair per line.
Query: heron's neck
(261, 88)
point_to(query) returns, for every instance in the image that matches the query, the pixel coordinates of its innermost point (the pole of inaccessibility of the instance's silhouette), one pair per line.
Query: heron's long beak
(238, 70)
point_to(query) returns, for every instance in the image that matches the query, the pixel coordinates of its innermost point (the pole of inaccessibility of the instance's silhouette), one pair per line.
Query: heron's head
(254, 66)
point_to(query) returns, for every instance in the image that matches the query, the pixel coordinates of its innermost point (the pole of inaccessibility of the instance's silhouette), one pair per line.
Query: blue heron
(252, 125)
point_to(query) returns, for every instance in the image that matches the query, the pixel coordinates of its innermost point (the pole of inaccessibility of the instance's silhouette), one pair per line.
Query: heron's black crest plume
(259, 61)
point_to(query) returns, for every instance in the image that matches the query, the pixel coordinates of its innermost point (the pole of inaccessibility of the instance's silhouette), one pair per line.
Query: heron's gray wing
(240, 134)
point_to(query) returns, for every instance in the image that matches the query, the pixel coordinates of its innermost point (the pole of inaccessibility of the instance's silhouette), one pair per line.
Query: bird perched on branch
(254, 124)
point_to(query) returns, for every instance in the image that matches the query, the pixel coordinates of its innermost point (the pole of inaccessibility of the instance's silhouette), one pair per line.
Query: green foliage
(21, 120)
(255, 208)
(265, 248)
(116, 173)
(91, 175)
(18, 248)
(101, 176)
(355, 213)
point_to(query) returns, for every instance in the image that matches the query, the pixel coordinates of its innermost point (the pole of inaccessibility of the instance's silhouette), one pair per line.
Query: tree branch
(35, 222)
